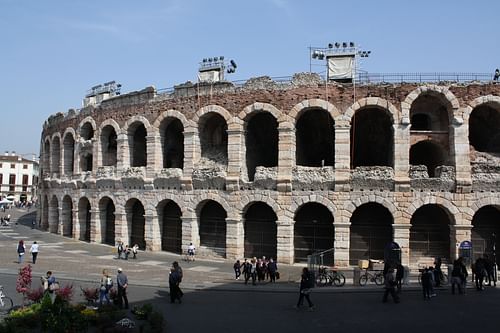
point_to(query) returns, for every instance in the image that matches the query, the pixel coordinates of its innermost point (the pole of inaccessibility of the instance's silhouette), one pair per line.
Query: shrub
(90, 294)
(65, 292)
(23, 282)
(35, 295)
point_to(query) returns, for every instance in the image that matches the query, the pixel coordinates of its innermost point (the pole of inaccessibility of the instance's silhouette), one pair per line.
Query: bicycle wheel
(7, 304)
(363, 280)
(339, 279)
(379, 279)
(321, 280)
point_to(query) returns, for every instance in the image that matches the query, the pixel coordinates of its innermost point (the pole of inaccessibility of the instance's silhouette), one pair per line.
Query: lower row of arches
(371, 228)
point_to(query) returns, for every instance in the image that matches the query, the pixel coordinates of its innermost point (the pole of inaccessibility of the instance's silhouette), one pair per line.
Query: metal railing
(323, 258)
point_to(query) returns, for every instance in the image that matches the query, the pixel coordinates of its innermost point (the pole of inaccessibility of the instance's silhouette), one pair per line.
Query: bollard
(356, 275)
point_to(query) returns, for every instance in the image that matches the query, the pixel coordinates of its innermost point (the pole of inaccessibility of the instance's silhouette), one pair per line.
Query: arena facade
(281, 169)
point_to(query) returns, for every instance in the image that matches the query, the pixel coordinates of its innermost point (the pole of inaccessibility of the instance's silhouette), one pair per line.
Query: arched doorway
(315, 133)
(213, 138)
(69, 154)
(137, 144)
(430, 235)
(67, 216)
(485, 223)
(260, 231)
(53, 215)
(261, 142)
(84, 219)
(107, 217)
(109, 146)
(370, 232)
(430, 154)
(169, 215)
(212, 226)
(172, 142)
(313, 230)
(136, 222)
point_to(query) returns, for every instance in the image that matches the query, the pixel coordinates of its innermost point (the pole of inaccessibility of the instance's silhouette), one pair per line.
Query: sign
(465, 245)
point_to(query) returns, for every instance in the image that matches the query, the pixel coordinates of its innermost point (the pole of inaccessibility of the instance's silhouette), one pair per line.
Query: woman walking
(306, 283)
(21, 249)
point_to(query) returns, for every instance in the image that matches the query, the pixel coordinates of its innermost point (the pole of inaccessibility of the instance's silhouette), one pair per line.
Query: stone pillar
(341, 243)
(190, 232)
(402, 157)
(342, 156)
(191, 156)
(285, 247)
(458, 234)
(76, 223)
(53, 219)
(152, 234)
(234, 155)
(95, 226)
(95, 156)
(121, 227)
(234, 238)
(401, 232)
(60, 221)
(154, 155)
(460, 154)
(123, 153)
(286, 156)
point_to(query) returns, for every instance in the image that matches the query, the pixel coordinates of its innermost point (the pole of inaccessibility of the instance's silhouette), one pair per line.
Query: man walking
(34, 251)
(390, 286)
(122, 282)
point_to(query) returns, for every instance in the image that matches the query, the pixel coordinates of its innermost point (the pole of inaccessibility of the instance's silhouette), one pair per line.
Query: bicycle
(6, 302)
(443, 278)
(377, 277)
(328, 277)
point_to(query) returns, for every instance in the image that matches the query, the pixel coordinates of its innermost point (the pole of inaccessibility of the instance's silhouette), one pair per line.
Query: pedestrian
(119, 249)
(400, 273)
(191, 250)
(479, 273)
(180, 275)
(390, 286)
(247, 269)
(126, 251)
(490, 266)
(122, 283)
(21, 249)
(456, 277)
(106, 284)
(426, 280)
(253, 270)
(437, 271)
(135, 248)
(306, 283)
(237, 269)
(173, 284)
(272, 269)
(496, 76)
(34, 251)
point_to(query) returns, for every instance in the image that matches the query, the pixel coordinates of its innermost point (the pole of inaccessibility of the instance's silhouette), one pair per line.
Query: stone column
(234, 154)
(401, 232)
(458, 234)
(342, 156)
(402, 157)
(95, 156)
(76, 223)
(190, 232)
(121, 227)
(53, 219)
(95, 226)
(341, 243)
(286, 156)
(154, 155)
(234, 238)
(123, 153)
(60, 222)
(152, 234)
(460, 154)
(191, 156)
(285, 247)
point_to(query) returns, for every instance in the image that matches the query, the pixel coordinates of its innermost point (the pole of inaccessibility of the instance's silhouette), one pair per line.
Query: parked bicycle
(376, 276)
(443, 278)
(6, 302)
(327, 277)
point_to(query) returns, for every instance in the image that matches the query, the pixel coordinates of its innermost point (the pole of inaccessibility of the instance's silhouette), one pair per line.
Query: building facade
(280, 169)
(18, 177)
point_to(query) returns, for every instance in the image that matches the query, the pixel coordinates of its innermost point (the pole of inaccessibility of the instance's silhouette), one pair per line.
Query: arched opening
(67, 216)
(87, 131)
(172, 143)
(372, 142)
(212, 226)
(45, 213)
(315, 138)
(46, 157)
(84, 219)
(53, 215)
(484, 129)
(86, 161)
(260, 231)
(56, 156)
(107, 217)
(370, 232)
(109, 146)
(137, 144)
(69, 154)
(428, 153)
(421, 122)
(136, 222)
(313, 231)
(430, 234)
(213, 138)
(169, 215)
(261, 142)
(485, 224)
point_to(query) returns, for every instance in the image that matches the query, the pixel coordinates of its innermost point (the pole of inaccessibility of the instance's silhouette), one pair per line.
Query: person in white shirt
(191, 250)
(34, 251)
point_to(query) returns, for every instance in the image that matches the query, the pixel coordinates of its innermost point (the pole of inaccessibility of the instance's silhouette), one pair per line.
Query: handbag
(277, 275)
(54, 286)
(305, 291)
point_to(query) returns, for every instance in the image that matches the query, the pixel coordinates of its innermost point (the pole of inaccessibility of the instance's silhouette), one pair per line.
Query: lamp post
(494, 254)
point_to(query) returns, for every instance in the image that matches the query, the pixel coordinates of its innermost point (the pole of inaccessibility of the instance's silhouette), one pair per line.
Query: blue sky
(53, 51)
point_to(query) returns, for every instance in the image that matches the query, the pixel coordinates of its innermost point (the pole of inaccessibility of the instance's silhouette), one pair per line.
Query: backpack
(20, 249)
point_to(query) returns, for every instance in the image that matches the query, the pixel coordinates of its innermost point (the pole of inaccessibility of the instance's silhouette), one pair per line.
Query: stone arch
(446, 94)
(136, 221)
(86, 120)
(170, 127)
(171, 114)
(486, 201)
(109, 122)
(68, 149)
(107, 219)
(53, 216)
(376, 102)
(84, 218)
(352, 205)
(55, 153)
(134, 119)
(202, 198)
(299, 201)
(260, 230)
(489, 99)
(169, 219)
(247, 200)
(67, 209)
(299, 108)
(259, 107)
(447, 205)
(47, 144)
(211, 108)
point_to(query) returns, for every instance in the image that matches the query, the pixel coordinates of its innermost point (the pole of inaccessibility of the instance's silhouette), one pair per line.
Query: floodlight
(118, 85)
(330, 45)
(221, 57)
(210, 59)
(216, 58)
(337, 44)
(344, 44)
(204, 59)
(351, 44)
(233, 64)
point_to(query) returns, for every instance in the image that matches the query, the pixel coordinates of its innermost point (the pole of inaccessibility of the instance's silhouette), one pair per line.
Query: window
(12, 166)
(25, 166)
(12, 183)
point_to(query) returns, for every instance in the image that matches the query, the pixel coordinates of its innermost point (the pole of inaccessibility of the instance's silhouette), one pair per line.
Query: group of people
(124, 251)
(260, 270)
(483, 270)
(21, 250)
(5, 220)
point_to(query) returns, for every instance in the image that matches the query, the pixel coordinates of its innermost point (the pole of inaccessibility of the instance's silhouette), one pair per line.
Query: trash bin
(355, 276)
